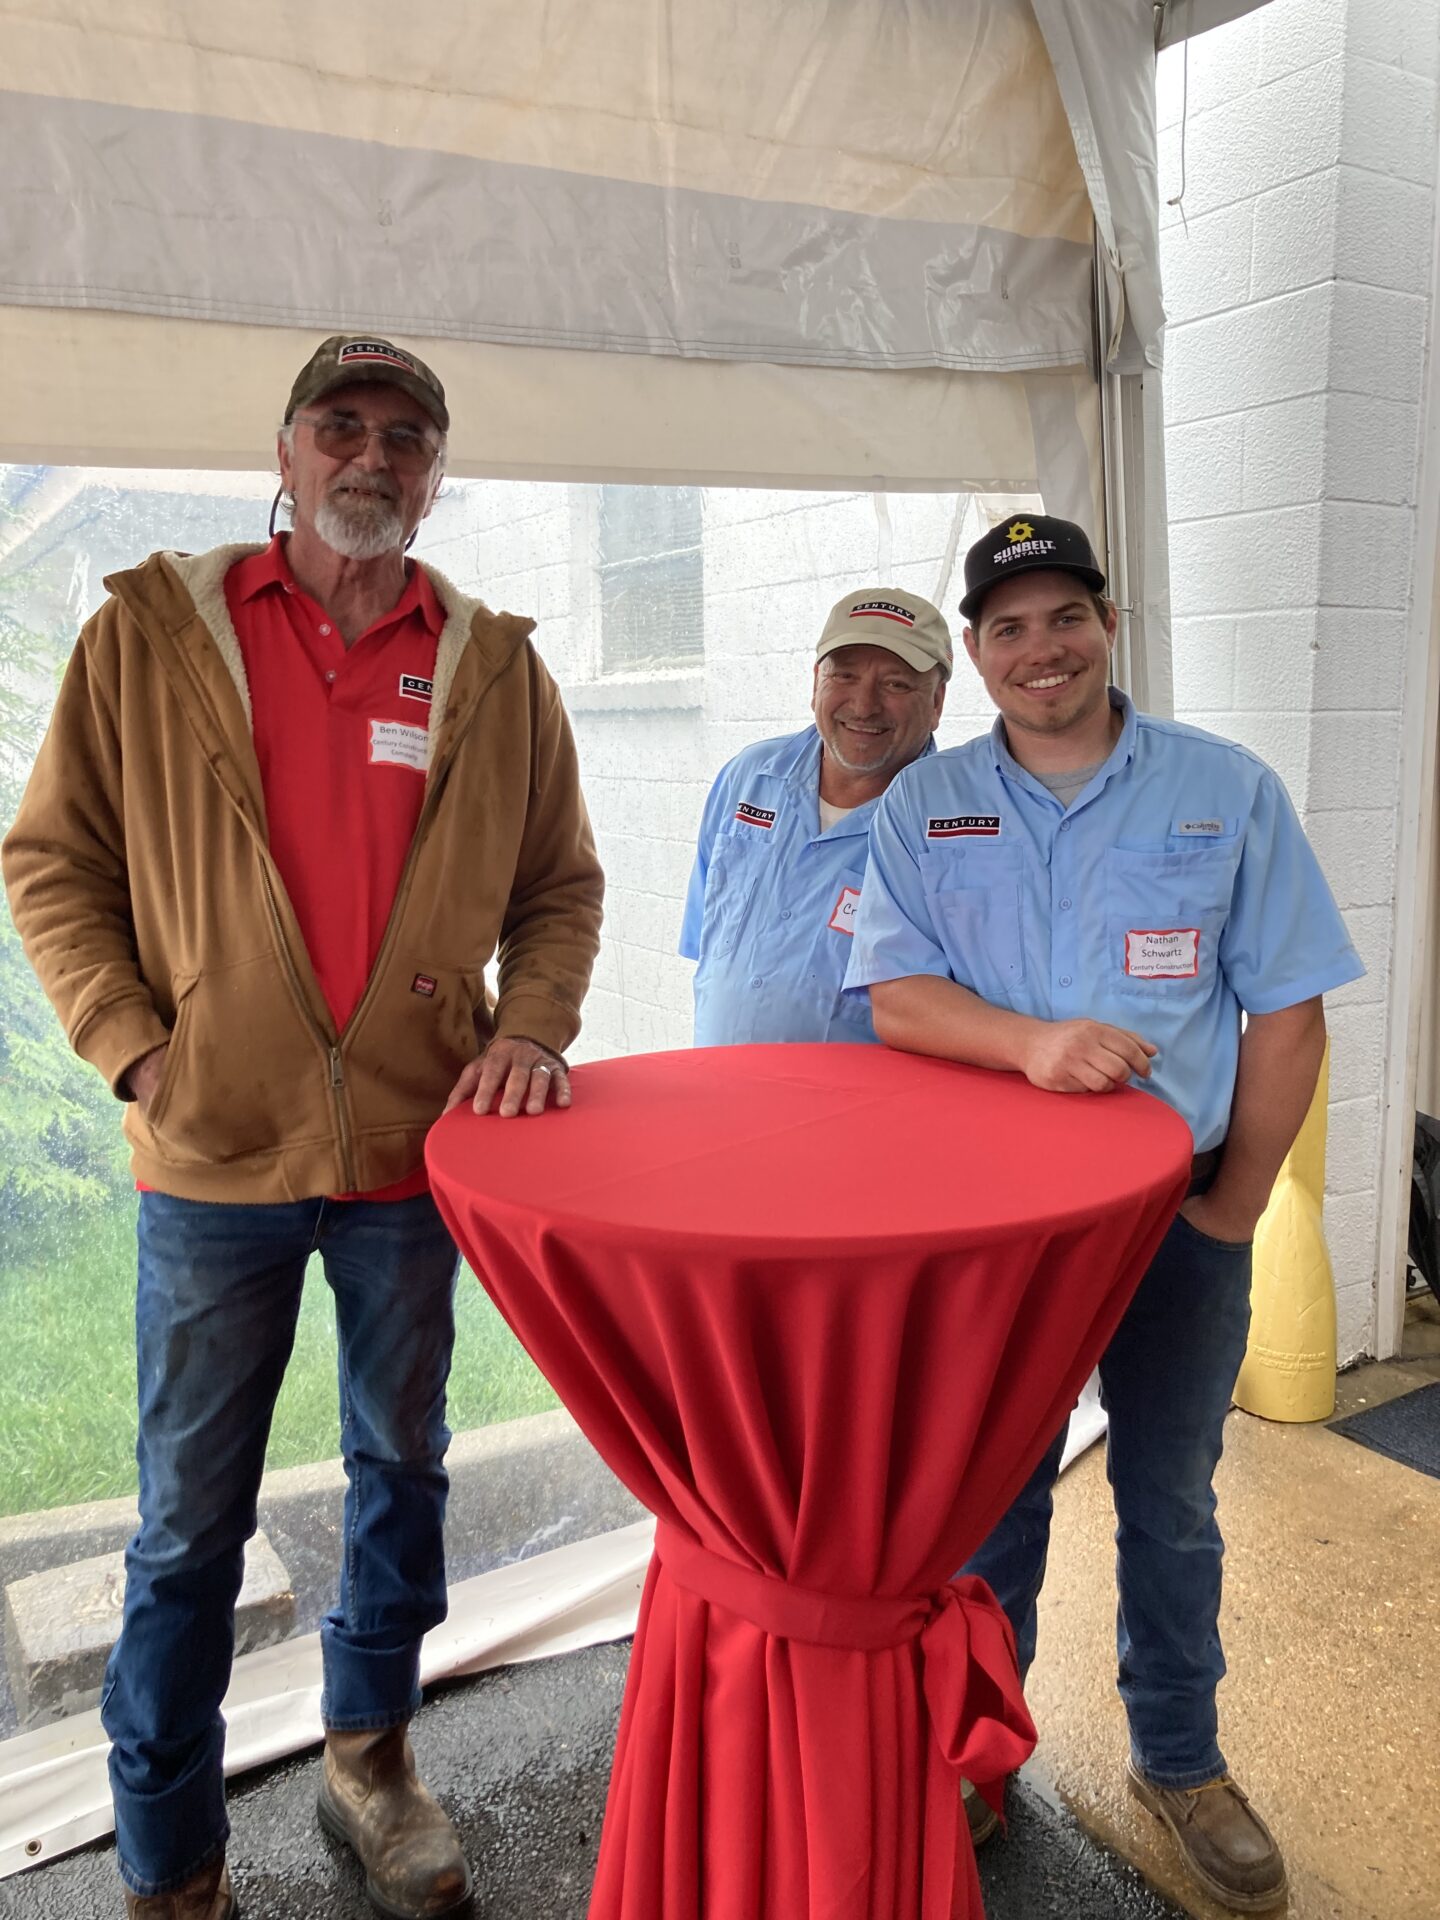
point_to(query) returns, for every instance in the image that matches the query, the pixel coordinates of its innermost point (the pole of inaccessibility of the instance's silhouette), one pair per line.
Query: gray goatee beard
(365, 528)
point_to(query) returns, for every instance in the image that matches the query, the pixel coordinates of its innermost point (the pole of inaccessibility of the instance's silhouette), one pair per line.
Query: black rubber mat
(1407, 1429)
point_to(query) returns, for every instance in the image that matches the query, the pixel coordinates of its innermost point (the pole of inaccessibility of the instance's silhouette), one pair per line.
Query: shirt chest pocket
(1164, 915)
(978, 903)
(738, 870)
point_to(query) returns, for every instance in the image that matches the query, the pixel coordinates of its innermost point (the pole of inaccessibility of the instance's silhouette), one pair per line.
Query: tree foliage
(60, 1142)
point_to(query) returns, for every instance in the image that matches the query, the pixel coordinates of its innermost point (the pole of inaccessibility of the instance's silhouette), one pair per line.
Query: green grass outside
(67, 1367)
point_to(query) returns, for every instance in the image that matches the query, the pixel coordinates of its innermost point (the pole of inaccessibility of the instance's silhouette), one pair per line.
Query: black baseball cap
(1024, 545)
(347, 357)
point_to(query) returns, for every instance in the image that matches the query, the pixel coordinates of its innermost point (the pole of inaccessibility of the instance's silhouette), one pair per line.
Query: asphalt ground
(520, 1759)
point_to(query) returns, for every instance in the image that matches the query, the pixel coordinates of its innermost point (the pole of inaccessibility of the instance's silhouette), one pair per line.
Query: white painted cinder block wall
(649, 746)
(1297, 287)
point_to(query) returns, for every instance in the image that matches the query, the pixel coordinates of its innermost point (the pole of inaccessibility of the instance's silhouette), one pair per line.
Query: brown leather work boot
(372, 1799)
(1224, 1842)
(205, 1896)
(983, 1819)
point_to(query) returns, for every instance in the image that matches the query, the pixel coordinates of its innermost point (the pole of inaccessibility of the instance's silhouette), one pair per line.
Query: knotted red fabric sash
(970, 1674)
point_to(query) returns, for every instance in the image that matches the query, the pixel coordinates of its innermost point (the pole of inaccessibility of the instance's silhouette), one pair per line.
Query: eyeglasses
(341, 436)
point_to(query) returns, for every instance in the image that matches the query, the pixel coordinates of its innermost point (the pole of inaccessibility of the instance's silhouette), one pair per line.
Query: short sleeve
(895, 936)
(714, 812)
(1285, 940)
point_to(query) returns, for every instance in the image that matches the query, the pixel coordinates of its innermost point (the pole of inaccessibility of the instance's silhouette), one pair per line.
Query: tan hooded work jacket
(141, 880)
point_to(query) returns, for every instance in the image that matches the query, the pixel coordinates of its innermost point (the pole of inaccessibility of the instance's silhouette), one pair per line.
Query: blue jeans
(216, 1305)
(1166, 1382)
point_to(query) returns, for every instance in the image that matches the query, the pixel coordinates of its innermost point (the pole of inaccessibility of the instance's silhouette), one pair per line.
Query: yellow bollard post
(1289, 1367)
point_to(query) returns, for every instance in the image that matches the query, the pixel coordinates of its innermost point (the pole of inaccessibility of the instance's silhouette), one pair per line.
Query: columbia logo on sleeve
(751, 816)
(963, 826)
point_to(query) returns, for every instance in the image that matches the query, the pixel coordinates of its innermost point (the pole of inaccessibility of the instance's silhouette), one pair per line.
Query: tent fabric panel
(1104, 58)
(91, 388)
(1183, 19)
(623, 89)
(643, 183)
(549, 258)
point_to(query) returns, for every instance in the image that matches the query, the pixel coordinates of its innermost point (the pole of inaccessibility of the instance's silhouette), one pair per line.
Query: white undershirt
(829, 815)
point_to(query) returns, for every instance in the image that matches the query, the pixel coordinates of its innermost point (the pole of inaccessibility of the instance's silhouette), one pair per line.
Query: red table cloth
(821, 1308)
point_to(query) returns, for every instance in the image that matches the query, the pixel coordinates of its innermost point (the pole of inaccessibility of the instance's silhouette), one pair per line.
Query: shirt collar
(1120, 755)
(269, 568)
(801, 768)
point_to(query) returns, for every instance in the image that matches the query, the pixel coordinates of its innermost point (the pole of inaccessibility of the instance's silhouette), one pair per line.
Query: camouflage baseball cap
(348, 357)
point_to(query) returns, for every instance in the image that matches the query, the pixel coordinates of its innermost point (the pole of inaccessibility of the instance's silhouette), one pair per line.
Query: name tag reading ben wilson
(393, 744)
(1162, 953)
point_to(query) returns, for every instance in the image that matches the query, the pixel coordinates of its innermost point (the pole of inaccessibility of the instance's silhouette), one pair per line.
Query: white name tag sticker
(1162, 953)
(843, 918)
(393, 744)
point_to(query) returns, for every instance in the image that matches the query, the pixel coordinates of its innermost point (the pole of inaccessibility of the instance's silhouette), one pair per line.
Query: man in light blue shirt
(771, 908)
(1091, 896)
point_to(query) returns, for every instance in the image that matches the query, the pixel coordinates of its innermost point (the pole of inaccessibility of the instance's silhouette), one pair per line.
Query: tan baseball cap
(346, 357)
(902, 623)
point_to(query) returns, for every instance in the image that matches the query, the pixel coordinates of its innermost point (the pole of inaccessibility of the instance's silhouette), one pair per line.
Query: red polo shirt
(341, 737)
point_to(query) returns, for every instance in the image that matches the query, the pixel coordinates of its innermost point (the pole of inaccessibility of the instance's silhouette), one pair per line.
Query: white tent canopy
(782, 242)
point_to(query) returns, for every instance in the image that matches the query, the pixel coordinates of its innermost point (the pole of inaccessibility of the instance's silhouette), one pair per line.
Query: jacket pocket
(1164, 914)
(418, 1033)
(244, 1074)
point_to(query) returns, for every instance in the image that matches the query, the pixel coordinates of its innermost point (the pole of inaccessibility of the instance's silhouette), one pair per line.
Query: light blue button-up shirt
(1177, 890)
(771, 906)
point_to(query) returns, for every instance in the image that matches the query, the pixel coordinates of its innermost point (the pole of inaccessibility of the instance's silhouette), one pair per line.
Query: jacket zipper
(428, 809)
(337, 1071)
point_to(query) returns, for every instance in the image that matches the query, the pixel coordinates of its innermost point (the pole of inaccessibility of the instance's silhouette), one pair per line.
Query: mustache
(376, 487)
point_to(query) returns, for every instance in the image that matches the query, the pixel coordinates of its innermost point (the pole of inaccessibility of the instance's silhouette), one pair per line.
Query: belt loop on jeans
(1203, 1169)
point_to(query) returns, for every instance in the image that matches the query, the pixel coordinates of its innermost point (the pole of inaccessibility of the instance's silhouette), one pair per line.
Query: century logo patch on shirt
(884, 610)
(963, 826)
(413, 687)
(752, 816)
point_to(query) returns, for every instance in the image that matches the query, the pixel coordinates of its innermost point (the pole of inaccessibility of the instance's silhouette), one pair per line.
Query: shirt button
(330, 675)
(785, 913)
(1064, 826)
(324, 626)
(1064, 903)
(288, 587)
(1064, 979)
(758, 981)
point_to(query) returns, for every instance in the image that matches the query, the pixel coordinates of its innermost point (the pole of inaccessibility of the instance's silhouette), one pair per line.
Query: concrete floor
(1330, 1716)
(521, 1759)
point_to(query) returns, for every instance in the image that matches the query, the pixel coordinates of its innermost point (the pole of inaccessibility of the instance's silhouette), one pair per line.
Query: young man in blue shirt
(1091, 896)
(781, 856)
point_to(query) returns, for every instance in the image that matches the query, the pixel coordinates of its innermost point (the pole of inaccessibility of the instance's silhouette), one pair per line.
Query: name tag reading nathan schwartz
(1162, 953)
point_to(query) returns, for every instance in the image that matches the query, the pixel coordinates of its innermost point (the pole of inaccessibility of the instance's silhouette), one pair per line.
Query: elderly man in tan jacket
(292, 801)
